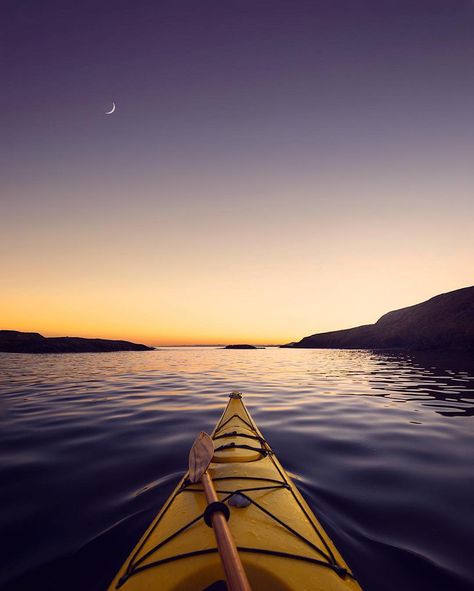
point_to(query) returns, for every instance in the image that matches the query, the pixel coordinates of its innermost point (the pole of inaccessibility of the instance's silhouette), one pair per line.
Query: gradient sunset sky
(272, 170)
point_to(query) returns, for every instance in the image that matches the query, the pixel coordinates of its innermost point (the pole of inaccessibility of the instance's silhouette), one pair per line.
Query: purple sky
(274, 119)
(233, 84)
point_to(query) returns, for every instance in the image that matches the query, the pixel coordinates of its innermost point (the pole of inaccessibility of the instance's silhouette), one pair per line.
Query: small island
(14, 341)
(444, 322)
(242, 347)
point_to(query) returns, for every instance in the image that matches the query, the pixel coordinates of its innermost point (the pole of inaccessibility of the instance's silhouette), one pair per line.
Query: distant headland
(444, 322)
(13, 341)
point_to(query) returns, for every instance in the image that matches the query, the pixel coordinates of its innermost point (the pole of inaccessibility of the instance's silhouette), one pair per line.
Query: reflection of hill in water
(443, 382)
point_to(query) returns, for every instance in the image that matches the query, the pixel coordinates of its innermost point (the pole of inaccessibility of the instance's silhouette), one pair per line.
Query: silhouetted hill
(13, 341)
(445, 321)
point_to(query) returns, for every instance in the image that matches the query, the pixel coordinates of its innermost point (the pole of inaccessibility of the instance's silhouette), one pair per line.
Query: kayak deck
(281, 543)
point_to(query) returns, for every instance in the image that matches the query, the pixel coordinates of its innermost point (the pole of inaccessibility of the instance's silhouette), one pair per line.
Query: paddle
(200, 457)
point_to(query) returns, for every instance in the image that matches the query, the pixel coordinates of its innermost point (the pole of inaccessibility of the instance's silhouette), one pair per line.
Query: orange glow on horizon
(217, 273)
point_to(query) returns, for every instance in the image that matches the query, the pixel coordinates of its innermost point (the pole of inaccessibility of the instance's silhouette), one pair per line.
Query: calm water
(382, 446)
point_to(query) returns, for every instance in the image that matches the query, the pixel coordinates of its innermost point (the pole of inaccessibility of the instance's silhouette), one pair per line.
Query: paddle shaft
(234, 571)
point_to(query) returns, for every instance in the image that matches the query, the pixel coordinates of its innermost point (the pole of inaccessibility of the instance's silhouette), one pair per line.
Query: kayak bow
(282, 545)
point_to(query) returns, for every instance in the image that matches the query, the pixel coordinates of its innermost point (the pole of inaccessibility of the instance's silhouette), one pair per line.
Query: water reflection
(444, 383)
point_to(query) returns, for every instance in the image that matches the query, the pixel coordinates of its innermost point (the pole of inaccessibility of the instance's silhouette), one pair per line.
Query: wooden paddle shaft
(234, 571)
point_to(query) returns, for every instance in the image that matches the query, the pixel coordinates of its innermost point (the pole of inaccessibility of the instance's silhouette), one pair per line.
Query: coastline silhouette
(14, 341)
(445, 322)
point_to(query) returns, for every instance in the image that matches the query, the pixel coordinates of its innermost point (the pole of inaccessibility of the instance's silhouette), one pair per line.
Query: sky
(272, 169)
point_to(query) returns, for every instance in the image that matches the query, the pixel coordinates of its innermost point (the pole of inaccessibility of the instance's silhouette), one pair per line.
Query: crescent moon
(111, 110)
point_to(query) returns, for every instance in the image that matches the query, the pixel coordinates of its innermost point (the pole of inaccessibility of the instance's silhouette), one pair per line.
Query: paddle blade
(200, 456)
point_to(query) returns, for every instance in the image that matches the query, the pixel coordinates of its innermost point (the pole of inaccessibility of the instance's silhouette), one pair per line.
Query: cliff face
(13, 341)
(443, 322)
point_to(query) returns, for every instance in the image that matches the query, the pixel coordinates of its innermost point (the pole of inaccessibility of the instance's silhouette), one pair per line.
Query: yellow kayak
(282, 545)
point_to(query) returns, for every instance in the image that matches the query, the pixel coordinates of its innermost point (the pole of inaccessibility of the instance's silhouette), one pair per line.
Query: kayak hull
(282, 545)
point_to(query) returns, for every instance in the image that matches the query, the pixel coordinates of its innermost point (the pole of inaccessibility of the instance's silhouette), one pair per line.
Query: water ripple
(380, 444)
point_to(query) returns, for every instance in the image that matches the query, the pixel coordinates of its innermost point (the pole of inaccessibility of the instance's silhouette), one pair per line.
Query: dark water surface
(382, 446)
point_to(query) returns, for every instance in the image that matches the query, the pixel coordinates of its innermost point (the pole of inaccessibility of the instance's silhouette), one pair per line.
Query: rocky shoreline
(13, 341)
